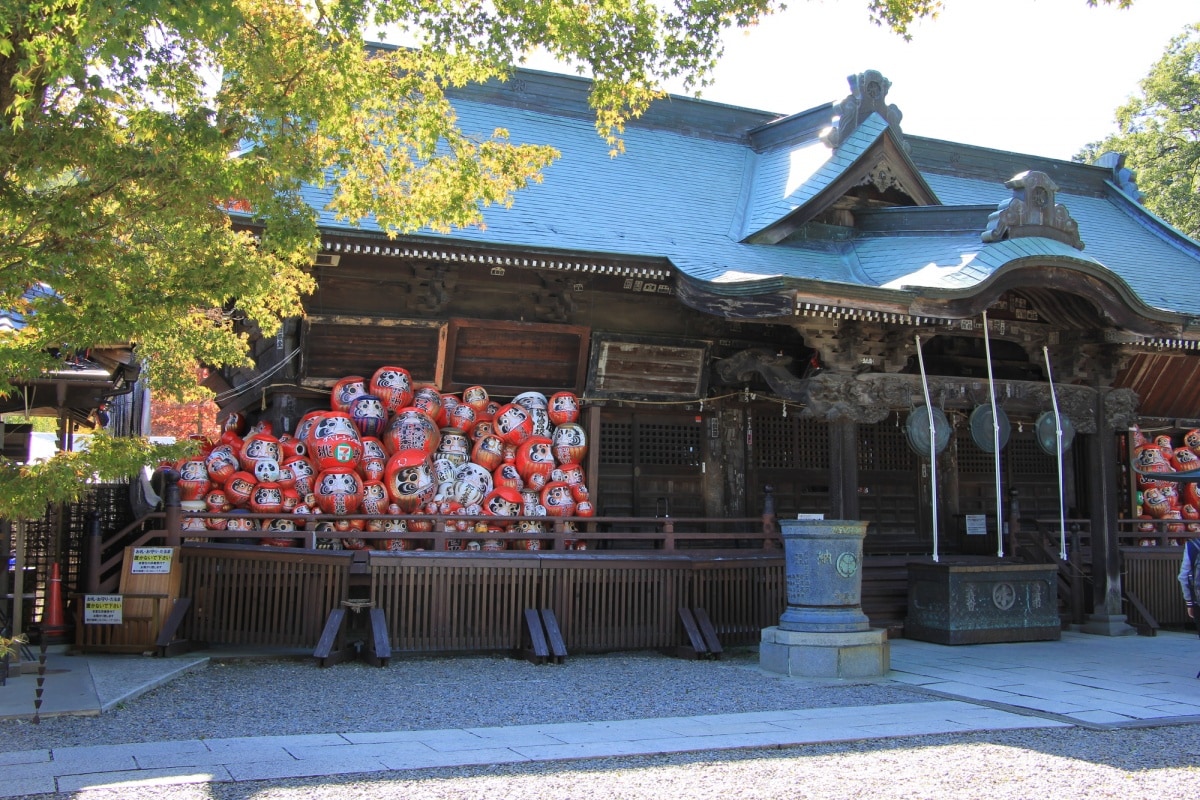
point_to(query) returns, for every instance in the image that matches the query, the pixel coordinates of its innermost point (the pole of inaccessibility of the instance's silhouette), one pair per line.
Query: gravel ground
(248, 698)
(285, 697)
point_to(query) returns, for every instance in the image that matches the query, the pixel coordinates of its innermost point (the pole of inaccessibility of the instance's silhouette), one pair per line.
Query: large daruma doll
(513, 423)
(570, 443)
(409, 479)
(344, 392)
(339, 490)
(412, 429)
(392, 385)
(335, 442)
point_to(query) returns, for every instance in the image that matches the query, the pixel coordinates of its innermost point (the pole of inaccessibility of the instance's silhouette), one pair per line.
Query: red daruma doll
(563, 407)
(392, 385)
(556, 497)
(409, 479)
(513, 424)
(339, 490)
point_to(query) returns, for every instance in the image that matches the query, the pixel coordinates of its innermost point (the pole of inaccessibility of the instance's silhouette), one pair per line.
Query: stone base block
(859, 654)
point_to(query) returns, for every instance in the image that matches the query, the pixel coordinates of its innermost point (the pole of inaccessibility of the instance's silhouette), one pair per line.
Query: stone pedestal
(797, 654)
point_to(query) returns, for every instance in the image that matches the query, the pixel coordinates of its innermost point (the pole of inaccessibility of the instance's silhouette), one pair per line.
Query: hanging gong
(916, 430)
(1047, 437)
(982, 433)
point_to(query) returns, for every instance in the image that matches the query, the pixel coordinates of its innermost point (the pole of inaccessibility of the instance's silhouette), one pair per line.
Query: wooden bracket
(166, 645)
(702, 636)
(345, 638)
(543, 640)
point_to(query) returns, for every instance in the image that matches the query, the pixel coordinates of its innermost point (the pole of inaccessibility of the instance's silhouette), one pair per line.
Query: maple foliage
(170, 417)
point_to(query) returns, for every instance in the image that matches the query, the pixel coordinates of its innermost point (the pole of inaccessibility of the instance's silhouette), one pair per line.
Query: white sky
(1031, 76)
(1043, 77)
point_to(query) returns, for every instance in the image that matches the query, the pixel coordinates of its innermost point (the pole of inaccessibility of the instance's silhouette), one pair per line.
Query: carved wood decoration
(871, 397)
(868, 95)
(1031, 211)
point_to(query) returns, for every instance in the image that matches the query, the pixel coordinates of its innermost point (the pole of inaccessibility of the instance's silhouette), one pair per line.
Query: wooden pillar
(843, 469)
(172, 508)
(1103, 479)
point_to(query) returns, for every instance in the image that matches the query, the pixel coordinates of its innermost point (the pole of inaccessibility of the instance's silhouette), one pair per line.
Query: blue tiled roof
(690, 199)
(787, 178)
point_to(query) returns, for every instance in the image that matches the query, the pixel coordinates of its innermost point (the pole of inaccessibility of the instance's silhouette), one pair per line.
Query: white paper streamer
(987, 347)
(1058, 439)
(932, 449)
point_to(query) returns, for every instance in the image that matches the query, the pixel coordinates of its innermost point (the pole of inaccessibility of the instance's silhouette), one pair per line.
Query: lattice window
(663, 443)
(790, 442)
(1028, 458)
(974, 461)
(884, 447)
(773, 442)
(616, 443)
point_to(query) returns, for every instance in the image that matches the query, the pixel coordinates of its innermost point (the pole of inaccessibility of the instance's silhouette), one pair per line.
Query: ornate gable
(868, 95)
(1032, 211)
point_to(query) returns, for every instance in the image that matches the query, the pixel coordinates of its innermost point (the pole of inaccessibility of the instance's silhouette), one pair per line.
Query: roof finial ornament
(868, 95)
(1124, 178)
(1031, 211)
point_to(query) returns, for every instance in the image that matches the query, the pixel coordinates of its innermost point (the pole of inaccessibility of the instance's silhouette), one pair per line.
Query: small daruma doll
(557, 498)
(267, 498)
(503, 501)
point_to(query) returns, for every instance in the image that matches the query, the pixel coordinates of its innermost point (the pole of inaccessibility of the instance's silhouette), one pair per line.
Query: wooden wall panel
(624, 367)
(334, 347)
(515, 356)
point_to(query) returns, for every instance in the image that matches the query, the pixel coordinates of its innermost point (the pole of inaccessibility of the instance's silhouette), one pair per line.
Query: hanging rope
(932, 449)
(1058, 439)
(987, 347)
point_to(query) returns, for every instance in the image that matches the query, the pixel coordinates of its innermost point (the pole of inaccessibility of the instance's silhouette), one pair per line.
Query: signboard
(103, 609)
(976, 525)
(151, 560)
(810, 516)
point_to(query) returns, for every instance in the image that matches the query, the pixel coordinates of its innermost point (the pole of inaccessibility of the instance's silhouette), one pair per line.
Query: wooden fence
(474, 602)
(245, 595)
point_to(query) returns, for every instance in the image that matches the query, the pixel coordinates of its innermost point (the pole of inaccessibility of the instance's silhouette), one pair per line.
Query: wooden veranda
(625, 594)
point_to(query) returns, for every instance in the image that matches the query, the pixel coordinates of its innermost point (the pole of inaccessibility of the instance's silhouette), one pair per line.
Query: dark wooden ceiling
(1166, 384)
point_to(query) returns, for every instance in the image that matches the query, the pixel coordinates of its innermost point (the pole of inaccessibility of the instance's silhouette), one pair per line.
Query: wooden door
(1024, 468)
(894, 490)
(651, 464)
(791, 455)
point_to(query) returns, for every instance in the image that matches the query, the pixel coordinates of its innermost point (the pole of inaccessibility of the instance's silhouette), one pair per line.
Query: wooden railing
(1151, 551)
(1151, 554)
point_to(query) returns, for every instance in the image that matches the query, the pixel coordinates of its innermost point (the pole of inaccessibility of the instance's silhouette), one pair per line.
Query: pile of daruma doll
(1167, 499)
(387, 448)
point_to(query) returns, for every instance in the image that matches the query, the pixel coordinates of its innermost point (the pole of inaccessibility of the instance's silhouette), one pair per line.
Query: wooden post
(770, 527)
(1104, 477)
(172, 507)
(95, 552)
